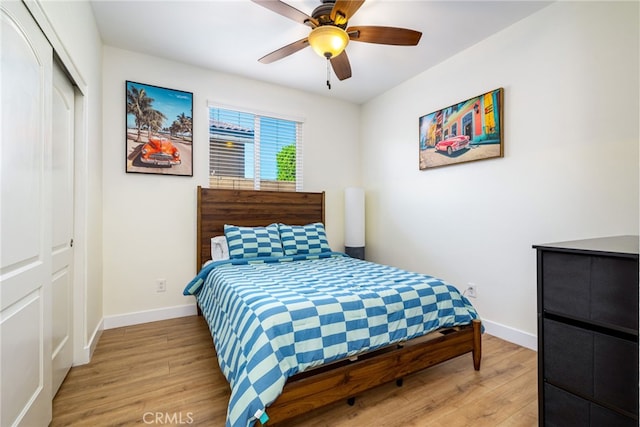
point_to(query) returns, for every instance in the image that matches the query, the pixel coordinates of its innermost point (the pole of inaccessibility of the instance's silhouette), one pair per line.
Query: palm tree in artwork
(138, 104)
(184, 123)
(174, 128)
(153, 119)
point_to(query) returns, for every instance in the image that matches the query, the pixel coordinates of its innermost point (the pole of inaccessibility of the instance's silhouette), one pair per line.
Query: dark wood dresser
(588, 332)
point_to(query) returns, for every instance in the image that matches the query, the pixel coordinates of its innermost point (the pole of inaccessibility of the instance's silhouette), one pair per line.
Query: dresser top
(610, 245)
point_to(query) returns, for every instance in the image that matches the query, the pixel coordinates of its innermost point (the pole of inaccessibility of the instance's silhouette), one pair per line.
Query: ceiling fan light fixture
(328, 41)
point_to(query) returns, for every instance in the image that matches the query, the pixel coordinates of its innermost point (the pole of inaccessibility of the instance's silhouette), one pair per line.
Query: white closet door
(62, 248)
(25, 219)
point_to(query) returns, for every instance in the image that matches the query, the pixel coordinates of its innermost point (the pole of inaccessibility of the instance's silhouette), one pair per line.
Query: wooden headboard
(251, 209)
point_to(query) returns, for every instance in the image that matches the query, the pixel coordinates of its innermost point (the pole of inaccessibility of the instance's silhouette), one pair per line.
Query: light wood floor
(168, 370)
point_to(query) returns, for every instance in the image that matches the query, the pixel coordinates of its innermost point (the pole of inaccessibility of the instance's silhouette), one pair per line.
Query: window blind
(254, 151)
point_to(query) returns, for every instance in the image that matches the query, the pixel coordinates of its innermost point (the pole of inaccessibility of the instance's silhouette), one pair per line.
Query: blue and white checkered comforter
(274, 317)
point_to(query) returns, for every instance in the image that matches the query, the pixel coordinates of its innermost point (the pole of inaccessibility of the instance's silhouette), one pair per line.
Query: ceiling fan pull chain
(328, 75)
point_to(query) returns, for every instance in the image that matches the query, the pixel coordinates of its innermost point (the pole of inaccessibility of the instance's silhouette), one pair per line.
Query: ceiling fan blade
(346, 8)
(284, 51)
(384, 35)
(288, 11)
(341, 66)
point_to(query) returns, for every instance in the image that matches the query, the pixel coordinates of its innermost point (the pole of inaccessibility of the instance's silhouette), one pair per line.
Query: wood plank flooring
(166, 373)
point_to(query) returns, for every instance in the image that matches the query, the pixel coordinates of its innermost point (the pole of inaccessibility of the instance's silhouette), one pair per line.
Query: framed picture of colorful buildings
(464, 132)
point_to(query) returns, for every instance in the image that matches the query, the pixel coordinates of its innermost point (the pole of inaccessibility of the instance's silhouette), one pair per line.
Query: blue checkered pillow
(249, 242)
(304, 239)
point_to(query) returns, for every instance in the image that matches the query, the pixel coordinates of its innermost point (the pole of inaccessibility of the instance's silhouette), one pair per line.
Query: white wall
(149, 220)
(72, 30)
(570, 166)
(570, 169)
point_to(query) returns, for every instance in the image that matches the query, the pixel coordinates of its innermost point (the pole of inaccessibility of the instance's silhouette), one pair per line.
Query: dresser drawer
(614, 291)
(563, 409)
(593, 288)
(591, 364)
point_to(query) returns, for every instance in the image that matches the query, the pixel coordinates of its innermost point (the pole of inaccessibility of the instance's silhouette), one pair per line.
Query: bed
(272, 379)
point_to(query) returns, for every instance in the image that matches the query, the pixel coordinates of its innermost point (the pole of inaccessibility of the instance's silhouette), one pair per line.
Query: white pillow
(219, 248)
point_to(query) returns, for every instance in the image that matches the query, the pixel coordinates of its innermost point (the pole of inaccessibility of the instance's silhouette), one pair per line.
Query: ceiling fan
(330, 34)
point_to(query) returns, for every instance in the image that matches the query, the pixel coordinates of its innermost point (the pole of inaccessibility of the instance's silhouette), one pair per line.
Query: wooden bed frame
(344, 379)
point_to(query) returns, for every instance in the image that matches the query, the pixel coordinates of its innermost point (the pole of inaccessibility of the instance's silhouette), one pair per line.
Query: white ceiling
(230, 35)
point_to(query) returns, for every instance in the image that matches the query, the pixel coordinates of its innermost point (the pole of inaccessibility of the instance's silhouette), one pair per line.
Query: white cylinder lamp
(354, 222)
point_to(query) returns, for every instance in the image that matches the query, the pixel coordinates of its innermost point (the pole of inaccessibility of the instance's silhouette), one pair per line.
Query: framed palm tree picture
(159, 130)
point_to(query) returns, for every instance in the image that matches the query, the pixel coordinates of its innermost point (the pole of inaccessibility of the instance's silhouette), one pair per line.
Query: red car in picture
(160, 151)
(455, 143)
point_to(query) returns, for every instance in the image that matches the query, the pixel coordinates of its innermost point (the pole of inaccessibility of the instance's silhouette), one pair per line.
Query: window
(251, 151)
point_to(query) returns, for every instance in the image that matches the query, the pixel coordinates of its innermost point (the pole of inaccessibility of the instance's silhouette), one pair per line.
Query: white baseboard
(510, 334)
(93, 342)
(84, 354)
(128, 319)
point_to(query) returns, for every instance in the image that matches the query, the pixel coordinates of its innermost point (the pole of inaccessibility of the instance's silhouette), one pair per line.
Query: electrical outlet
(472, 290)
(161, 285)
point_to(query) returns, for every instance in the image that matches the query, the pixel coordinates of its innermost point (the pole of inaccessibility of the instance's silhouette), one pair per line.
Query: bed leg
(351, 401)
(477, 344)
(399, 382)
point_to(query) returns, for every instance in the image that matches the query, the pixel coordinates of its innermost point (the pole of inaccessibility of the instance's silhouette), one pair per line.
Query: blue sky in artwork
(169, 102)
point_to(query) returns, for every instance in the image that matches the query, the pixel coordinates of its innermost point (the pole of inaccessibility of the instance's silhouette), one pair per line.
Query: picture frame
(159, 130)
(463, 132)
